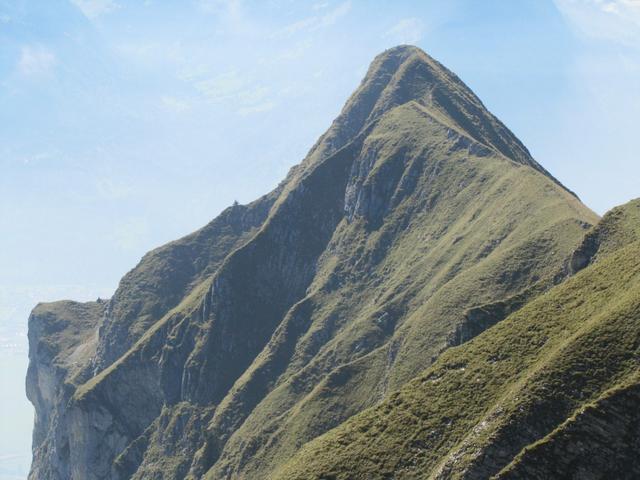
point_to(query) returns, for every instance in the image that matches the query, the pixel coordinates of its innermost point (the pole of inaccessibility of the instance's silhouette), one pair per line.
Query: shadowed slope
(167, 274)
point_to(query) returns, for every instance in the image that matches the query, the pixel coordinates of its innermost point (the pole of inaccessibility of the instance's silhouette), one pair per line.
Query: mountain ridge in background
(417, 222)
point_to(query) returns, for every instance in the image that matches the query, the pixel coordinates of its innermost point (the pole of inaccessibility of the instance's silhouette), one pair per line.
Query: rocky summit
(418, 298)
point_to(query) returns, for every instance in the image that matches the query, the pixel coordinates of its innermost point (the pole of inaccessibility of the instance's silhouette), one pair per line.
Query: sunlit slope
(445, 237)
(546, 393)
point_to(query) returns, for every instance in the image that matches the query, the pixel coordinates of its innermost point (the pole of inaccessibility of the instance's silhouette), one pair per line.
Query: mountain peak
(416, 76)
(410, 228)
(401, 53)
(405, 74)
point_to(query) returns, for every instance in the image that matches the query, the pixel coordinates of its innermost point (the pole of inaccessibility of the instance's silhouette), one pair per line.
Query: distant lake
(16, 413)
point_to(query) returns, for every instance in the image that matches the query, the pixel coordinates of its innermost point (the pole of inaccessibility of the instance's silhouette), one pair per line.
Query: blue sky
(128, 123)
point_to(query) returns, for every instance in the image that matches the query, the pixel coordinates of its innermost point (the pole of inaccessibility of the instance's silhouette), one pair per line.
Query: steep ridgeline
(552, 391)
(416, 222)
(67, 340)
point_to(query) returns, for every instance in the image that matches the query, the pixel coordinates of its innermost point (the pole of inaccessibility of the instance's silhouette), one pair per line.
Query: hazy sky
(125, 124)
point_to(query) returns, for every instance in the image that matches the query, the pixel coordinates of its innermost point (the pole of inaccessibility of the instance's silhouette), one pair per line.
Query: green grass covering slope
(64, 333)
(469, 230)
(166, 275)
(600, 440)
(510, 390)
(619, 227)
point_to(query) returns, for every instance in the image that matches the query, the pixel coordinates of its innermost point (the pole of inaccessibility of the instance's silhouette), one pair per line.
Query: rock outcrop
(62, 341)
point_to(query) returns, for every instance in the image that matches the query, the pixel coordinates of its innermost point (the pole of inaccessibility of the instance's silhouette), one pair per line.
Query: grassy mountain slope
(416, 222)
(167, 274)
(600, 440)
(539, 395)
(151, 291)
(392, 294)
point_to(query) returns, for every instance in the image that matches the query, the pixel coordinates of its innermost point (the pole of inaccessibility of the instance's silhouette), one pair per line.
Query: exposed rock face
(62, 338)
(416, 222)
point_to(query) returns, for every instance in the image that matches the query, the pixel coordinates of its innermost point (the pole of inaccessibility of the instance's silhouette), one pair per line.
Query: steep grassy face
(600, 440)
(165, 278)
(415, 223)
(167, 274)
(546, 393)
(433, 232)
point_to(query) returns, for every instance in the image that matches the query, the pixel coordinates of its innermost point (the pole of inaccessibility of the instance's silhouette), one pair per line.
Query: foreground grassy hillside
(547, 393)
